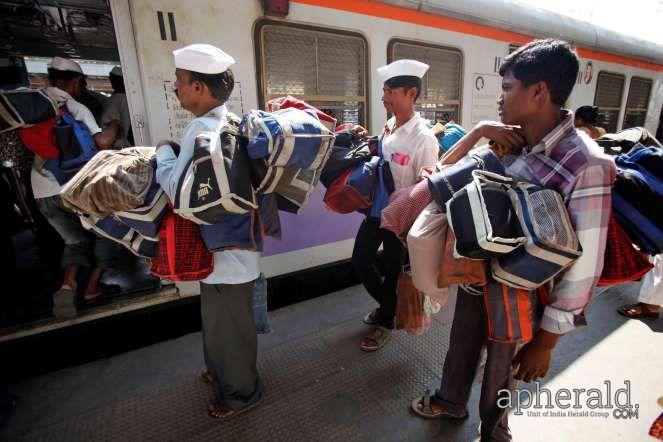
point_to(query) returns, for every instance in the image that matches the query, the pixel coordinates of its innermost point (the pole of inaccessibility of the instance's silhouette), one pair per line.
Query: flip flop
(421, 406)
(228, 412)
(379, 339)
(636, 311)
(64, 305)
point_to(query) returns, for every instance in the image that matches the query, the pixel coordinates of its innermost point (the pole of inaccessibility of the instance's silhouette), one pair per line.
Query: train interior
(33, 33)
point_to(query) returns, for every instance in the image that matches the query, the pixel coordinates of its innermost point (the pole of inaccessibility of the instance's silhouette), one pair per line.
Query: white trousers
(651, 290)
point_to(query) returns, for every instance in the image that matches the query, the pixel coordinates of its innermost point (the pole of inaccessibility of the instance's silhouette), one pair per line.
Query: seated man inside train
(65, 77)
(408, 145)
(536, 81)
(203, 84)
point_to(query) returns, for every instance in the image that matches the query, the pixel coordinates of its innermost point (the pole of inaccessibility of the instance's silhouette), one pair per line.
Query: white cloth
(203, 58)
(399, 68)
(117, 108)
(408, 149)
(230, 266)
(651, 290)
(65, 64)
(43, 182)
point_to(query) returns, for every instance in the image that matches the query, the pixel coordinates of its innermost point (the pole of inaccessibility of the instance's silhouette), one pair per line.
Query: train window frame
(261, 68)
(628, 95)
(621, 97)
(426, 45)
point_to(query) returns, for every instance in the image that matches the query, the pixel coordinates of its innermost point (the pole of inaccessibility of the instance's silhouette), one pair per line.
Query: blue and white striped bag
(112, 228)
(551, 245)
(147, 218)
(287, 138)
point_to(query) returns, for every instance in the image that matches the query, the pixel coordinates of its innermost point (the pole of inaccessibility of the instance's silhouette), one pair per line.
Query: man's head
(585, 115)
(401, 84)
(536, 78)
(116, 80)
(67, 75)
(203, 78)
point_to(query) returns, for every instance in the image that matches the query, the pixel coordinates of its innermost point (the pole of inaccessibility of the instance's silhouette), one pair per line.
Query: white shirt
(44, 183)
(230, 266)
(408, 149)
(117, 108)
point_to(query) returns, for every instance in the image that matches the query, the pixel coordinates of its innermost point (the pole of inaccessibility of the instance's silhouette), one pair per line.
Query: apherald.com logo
(599, 402)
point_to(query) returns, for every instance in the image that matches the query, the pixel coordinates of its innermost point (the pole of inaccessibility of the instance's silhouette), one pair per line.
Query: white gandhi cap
(65, 64)
(399, 68)
(203, 58)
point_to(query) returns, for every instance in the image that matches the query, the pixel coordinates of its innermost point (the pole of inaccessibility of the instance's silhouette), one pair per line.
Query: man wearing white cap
(66, 77)
(408, 145)
(117, 108)
(204, 83)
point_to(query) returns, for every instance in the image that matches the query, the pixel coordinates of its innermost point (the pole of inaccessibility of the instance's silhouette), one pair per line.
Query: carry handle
(486, 176)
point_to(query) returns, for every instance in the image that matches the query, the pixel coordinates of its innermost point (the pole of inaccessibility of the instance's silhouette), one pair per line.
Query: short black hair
(117, 83)
(55, 75)
(551, 61)
(406, 81)
(220, 85)
(588, 114)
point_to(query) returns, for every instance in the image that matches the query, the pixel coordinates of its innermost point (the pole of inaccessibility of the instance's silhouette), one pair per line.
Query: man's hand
(533, 360)
(171, 143)
(359, 130)
(511, 138)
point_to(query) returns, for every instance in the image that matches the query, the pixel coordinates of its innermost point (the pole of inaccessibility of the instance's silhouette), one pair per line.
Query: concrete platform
(320, 386)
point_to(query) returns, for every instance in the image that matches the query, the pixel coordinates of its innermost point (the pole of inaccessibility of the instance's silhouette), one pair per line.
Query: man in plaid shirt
(537, 79)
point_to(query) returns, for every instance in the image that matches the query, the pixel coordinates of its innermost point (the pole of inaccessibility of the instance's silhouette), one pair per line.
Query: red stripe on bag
(525, 315)
(507, 311)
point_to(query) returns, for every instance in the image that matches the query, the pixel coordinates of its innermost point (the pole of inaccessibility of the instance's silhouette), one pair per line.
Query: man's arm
(170, 166)
(106, 138)
(589, 208)
(508, 136)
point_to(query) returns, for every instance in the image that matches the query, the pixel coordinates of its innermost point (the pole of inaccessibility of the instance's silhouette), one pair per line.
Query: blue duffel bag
(287, 138)
(637, 196)
(74, 141)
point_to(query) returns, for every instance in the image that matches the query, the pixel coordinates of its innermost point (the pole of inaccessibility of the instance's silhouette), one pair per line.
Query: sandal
(372, 317)
(218, 411)
(64, 305)
(378, 338)
(636, 311)
(422, 408)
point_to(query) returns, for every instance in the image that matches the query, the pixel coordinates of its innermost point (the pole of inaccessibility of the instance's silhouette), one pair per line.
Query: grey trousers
(230, 342)
(468, 336)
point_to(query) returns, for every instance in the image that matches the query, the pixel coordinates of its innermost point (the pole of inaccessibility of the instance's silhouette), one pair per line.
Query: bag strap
(485, 176)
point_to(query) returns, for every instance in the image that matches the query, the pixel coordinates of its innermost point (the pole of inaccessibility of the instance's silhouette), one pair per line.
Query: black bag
(24, 107)
(624, 140)
(346, 154)
(451, 179)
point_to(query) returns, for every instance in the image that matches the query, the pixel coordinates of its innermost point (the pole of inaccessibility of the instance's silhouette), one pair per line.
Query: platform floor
(321, 387)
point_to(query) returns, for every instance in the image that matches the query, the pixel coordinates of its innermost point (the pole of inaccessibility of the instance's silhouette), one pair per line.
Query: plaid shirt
(571, 163)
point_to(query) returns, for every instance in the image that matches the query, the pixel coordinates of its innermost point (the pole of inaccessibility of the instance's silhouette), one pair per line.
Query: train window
(639, 91)
(608, 98)
(440, 98)
(329, 72)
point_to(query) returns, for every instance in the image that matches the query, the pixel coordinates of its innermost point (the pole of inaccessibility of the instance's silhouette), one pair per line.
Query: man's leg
(497, 375)
(468, 336)
(105, 256)
(393, 254)
(364, 256)
(231, 342)
(76, 251)
(650, 298)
